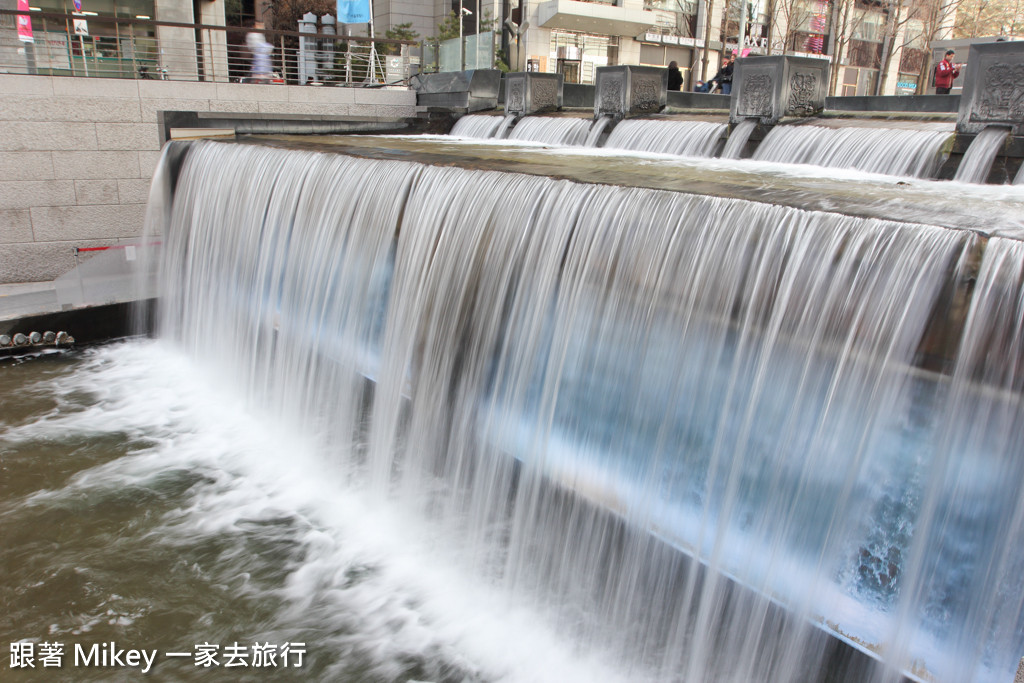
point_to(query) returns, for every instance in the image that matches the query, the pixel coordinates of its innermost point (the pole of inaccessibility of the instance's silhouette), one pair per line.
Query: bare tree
(846, 22)
(908, 23)
(784, 22)
(706, 5)
(898, 13)
(936, 24)
(990, 18)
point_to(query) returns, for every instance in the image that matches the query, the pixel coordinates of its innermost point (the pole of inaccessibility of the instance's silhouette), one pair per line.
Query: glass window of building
(577, 55)
(112, 37)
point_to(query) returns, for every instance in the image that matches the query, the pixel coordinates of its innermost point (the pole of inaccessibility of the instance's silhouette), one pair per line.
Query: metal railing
(108, 47)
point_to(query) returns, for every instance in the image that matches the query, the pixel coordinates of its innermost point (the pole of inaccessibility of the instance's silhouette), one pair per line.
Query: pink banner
(24, 23)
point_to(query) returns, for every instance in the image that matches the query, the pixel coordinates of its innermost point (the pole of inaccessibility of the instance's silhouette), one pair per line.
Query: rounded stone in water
(5, 340)
(49, 336)
(20, 339)
(35, 337)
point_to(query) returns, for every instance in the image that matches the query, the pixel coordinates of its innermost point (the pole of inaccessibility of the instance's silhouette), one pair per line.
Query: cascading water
(684, 138)
(978, 158)
(502, 130)
(738, 139)
(900, 152)
(476, 126)
(596, 130)
(551, 130)
(588, 385)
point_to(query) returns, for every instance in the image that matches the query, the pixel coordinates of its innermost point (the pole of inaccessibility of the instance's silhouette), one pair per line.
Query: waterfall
(738, 139)
(502, 130)
(899, 152)
(685, 138)
(978, 158)
(966, 577)
(551, 130)
(476, 126)
(596, 129)
(592, 383)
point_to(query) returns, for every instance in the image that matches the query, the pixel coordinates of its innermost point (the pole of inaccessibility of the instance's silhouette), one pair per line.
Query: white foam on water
(370, 575)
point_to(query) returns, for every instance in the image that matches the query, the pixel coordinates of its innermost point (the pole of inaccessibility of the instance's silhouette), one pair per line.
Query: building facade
(864, 39)
(876, 47)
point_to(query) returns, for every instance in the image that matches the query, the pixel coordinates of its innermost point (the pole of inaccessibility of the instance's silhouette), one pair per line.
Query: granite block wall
(77, 154)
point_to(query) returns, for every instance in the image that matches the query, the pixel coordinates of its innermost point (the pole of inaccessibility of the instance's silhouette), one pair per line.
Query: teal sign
(353, 11)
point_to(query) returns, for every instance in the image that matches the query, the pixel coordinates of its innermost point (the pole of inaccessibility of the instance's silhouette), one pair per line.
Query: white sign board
(81, 27)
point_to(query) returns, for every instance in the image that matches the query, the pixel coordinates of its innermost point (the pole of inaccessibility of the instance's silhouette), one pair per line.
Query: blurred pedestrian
(260, 49)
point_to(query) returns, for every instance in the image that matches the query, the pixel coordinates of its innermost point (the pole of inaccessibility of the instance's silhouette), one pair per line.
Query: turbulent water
(914, 153)
(488, 434)
(141, 506)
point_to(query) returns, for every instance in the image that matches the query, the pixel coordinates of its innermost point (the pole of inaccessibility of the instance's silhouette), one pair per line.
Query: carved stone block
(993, 90)
(625, 91)
(532, 93)
(770, 88)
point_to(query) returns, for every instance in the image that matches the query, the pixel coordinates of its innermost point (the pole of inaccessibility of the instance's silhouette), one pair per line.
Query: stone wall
(77, 154)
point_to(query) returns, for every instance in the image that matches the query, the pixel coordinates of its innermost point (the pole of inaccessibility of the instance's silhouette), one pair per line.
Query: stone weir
(475, 282)
(978, 213)
(879, 199)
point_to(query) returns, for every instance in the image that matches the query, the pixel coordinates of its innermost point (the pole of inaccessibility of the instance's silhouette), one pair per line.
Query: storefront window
(99, 46)
(122, 9)
(577, 55)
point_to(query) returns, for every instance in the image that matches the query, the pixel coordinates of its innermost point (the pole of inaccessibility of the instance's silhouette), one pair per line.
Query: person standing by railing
(260, 49)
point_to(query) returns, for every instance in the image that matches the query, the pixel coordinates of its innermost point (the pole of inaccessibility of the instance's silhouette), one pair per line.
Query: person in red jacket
(945, 72)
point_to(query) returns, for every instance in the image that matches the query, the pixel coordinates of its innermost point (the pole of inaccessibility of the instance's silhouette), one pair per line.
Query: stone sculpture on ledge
(770, 88)
(626, 91)
(528, 93)
(993, 90)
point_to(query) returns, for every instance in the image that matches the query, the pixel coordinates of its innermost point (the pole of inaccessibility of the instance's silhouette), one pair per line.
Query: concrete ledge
(576, 96)
(200, 133)
(242, 123)
(909, 104)
(697, 100)
(90, 324)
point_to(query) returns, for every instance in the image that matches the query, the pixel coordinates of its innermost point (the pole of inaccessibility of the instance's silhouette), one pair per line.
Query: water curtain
(890, 151)
(688, 429)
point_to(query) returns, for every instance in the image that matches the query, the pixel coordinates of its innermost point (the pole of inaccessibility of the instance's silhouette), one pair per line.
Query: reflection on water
(140, 506)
